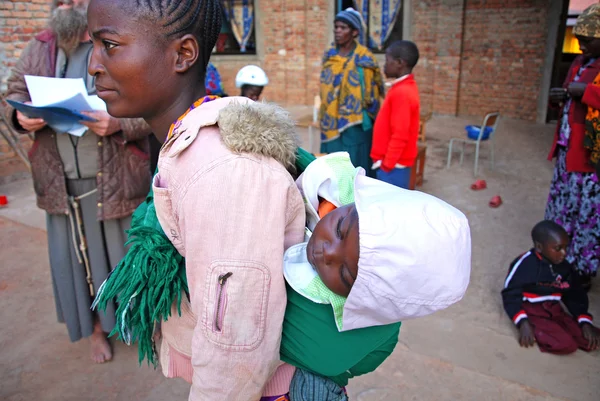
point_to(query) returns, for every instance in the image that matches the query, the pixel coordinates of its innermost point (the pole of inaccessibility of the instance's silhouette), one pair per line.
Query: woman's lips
(102, 91)
(101, 88)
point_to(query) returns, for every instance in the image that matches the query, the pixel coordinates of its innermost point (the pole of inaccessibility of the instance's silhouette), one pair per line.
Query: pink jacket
(230, 207)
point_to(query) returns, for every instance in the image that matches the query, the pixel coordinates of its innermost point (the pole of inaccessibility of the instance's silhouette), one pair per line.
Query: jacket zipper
(218, 318)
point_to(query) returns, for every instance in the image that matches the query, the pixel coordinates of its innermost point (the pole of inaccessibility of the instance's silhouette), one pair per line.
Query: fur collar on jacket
(246, 127)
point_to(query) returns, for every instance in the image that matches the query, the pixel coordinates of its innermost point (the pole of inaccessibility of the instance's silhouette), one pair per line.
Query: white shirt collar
(394, 82)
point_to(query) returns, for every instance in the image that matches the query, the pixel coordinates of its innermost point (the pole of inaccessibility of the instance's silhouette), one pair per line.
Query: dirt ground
(467, 352)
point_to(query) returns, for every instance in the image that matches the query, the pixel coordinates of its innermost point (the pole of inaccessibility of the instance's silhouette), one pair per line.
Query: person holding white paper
(89, 185)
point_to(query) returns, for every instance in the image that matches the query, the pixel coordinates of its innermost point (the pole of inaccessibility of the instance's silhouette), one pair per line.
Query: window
(237, 30)
(383, 20)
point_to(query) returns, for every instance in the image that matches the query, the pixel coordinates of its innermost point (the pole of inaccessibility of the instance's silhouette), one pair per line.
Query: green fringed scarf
(150, 277)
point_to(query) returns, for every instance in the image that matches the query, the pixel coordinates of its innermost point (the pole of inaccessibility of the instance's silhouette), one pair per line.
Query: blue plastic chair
(476, 135)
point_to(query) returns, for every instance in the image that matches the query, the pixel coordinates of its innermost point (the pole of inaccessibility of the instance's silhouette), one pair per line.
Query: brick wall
(480, 55)
(11, 165)
(437, 31)
(19, 20)
(503, 57)
(292, 36)
(476, 55)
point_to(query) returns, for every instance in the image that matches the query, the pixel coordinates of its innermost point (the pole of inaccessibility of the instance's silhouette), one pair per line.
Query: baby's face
(333, 249)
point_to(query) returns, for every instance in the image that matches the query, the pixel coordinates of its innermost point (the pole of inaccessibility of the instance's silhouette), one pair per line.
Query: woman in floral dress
(574, 199)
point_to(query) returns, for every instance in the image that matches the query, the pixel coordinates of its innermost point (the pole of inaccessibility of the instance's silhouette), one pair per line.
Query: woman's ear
(538, 247)
(355, 33)
(188, 52)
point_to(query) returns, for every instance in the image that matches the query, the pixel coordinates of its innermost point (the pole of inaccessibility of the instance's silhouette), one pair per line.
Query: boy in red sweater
(397, 126)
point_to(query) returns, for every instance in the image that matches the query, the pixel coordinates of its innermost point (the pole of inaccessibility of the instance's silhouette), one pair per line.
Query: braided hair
(201, 18)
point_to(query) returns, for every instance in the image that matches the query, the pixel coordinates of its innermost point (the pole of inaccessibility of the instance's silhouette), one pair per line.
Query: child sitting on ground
(396, 129)
(536, 283)
(376, 255)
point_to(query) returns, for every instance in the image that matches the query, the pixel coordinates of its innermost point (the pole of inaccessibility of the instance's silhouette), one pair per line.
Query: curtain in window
(240, 15)
(362, 6)
(381, 15)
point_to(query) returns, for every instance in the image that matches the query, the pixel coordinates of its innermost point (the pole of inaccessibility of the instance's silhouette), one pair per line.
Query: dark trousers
(555, 331)
(399, 177)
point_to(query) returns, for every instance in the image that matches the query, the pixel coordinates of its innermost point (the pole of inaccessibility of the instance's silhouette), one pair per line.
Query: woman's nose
(95, 67)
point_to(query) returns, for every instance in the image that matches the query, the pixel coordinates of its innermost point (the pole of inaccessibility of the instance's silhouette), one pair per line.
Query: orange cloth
(196, 104)
(325, 207)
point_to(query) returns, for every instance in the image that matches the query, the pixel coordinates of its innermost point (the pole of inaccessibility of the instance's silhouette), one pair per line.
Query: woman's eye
(108, 45)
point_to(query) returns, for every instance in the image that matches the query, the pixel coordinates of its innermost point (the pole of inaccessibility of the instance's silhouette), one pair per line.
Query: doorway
(567, 48)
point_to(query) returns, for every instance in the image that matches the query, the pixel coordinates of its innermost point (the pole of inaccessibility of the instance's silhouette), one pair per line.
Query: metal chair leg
(492, 152)
(449, 153)
(476, 157)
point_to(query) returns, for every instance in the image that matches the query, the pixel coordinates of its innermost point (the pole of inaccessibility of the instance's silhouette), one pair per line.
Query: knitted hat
(351, 17)
(415, 255)
(588, 23)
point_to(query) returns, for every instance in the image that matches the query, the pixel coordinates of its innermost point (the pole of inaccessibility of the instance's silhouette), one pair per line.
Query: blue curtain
(213, 83)
(240, 15)
(381, 15)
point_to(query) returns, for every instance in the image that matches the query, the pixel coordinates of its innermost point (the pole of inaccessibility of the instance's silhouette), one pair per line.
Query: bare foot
(100, 347)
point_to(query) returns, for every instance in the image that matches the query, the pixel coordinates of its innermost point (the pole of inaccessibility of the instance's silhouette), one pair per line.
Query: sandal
(496, 201)
(478, 185)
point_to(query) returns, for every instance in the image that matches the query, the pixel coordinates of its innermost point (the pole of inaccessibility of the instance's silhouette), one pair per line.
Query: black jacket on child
(533, 279)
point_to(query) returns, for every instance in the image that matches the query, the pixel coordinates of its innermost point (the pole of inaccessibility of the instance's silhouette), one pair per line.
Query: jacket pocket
(221, 301)
(235, 304)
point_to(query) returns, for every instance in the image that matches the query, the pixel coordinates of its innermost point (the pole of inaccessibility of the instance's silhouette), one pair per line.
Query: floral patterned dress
(574, 202)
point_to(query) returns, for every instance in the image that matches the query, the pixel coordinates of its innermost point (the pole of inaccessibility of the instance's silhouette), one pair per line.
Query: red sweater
(396, 129)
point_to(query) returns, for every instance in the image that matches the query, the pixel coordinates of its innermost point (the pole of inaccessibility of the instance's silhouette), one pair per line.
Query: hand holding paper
(30, 124)
(61, 103)
(104, 125)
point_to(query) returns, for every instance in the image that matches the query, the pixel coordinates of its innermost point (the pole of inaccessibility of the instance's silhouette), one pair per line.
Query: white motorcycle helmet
(251, 75)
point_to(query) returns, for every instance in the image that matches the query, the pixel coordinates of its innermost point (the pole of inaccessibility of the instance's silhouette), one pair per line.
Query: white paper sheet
(46, 91)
